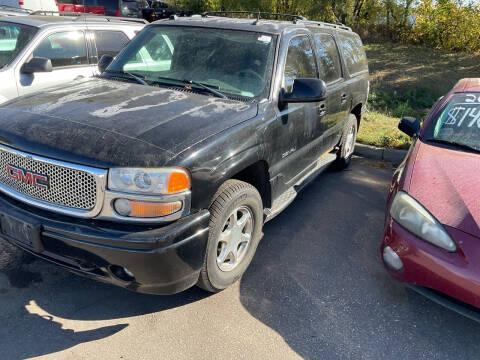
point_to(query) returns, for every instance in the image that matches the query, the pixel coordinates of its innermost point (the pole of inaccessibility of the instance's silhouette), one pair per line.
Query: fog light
(122, 207)
(144, 209)
(122, 273)
(391, 258)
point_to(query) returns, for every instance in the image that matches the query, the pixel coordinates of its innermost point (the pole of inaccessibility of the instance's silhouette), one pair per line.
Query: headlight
(161, 181)
(415, 218)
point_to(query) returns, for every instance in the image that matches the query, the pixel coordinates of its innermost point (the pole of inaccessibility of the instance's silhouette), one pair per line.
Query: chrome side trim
(100, 176)
(108, 213)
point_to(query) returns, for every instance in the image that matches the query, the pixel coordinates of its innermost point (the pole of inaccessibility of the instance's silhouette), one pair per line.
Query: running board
(280, 203)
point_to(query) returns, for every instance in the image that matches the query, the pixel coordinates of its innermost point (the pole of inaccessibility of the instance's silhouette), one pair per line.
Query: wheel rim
(350, 143)
(235, 238)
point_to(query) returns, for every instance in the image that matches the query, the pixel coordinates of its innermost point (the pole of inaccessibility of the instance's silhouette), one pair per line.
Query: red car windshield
(458, 123)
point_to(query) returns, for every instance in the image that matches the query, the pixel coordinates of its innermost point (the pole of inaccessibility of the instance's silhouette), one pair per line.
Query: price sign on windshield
(463, 112)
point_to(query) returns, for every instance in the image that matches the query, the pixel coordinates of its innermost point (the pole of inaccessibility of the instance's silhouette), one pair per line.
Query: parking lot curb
(372, 152)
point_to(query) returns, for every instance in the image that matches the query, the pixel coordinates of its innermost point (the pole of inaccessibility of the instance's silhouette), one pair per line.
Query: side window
(300, 61)
(328, 59)
(8, 37)
(353, 53)
(110, 42)
(64, 49)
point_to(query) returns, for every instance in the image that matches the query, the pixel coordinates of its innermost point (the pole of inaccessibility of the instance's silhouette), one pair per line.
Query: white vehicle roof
(55, 20)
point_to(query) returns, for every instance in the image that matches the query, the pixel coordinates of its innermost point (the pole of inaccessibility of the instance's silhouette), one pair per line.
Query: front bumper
(456, 274)
(163, 260)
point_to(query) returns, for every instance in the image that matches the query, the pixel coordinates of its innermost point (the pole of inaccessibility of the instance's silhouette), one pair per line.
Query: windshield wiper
(454, 144)
(132, 76)
(208, 88)
(193, 82)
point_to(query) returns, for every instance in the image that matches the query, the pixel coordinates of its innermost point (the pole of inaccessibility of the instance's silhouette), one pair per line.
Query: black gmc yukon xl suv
(160, 173)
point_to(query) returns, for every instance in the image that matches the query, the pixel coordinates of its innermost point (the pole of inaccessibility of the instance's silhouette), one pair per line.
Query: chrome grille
(69, 187)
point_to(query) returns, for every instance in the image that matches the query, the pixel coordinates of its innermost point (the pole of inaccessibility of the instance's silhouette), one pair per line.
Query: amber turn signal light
(178, 181)
(143, 209)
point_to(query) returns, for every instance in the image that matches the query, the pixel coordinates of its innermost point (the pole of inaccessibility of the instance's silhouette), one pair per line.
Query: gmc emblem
(28, 177)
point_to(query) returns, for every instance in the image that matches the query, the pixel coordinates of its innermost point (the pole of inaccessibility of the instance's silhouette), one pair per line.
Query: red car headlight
(410, 214)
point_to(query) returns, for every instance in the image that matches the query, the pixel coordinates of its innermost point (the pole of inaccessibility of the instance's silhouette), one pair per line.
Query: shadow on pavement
(318, 281)
(38, 320)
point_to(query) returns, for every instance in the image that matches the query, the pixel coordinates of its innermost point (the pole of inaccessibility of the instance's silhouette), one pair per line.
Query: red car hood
(447, 183)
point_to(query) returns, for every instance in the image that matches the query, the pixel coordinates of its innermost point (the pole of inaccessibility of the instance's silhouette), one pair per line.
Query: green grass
(381, 130)
(406, 80)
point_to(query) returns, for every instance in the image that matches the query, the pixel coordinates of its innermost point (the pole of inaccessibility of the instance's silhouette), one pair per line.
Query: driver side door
(298, 132)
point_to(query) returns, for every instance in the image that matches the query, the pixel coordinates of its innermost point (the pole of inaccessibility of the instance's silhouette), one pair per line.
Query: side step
(280, 203)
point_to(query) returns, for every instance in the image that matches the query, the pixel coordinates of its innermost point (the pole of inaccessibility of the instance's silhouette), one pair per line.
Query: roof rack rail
(14, 8)
(322, 23)
(88, 16)
(259, 14)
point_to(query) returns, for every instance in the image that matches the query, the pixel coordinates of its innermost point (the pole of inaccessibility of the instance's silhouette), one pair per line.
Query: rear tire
(235, 228)
(347, 144)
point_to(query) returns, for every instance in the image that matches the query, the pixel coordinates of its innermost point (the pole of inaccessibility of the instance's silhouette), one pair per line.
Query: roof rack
(258, 14)
(88, 16)
(322, 23)
(14, 8)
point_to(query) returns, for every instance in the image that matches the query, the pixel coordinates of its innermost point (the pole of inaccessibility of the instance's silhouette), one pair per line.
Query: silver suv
(39, 51)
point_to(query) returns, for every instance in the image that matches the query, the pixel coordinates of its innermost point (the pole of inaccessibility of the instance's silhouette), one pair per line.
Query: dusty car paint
(107, 123)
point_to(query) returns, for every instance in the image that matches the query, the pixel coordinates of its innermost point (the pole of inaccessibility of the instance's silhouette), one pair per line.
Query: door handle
(322, 110)
(344, 98)
(79, 77)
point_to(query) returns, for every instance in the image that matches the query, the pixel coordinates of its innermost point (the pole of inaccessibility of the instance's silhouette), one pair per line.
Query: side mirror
(305, 91)
(105, 60)
(36, 65)
(409, 125)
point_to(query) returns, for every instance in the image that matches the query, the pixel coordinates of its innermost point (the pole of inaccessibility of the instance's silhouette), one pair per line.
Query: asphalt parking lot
(316, 289)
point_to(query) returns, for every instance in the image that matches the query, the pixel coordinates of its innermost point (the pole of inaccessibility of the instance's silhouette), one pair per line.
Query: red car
(432, 225)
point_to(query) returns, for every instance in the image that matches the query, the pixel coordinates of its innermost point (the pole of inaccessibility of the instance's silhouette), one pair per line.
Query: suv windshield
(13, 38)
(458, 123)
(236, 63)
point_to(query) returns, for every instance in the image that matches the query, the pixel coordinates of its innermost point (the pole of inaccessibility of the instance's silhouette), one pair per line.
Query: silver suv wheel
(235, 238)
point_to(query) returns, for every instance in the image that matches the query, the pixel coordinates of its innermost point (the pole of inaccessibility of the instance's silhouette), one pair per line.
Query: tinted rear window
(328, 59)
(353, 53)
(110, 42)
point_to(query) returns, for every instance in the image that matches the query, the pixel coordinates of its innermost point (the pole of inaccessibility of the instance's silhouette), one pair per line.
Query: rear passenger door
(338, 97)
(67, 51)
(106, 42)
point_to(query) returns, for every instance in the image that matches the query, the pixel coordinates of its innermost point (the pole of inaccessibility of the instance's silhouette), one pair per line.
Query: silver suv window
(64, 49)
(110, 42)
(13, 39)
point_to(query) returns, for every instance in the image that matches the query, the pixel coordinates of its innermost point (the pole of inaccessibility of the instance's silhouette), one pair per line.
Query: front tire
(235, 228)
(347, 144)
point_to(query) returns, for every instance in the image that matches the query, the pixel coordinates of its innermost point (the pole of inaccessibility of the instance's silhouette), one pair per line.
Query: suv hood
(446, 182)
(106, 123)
